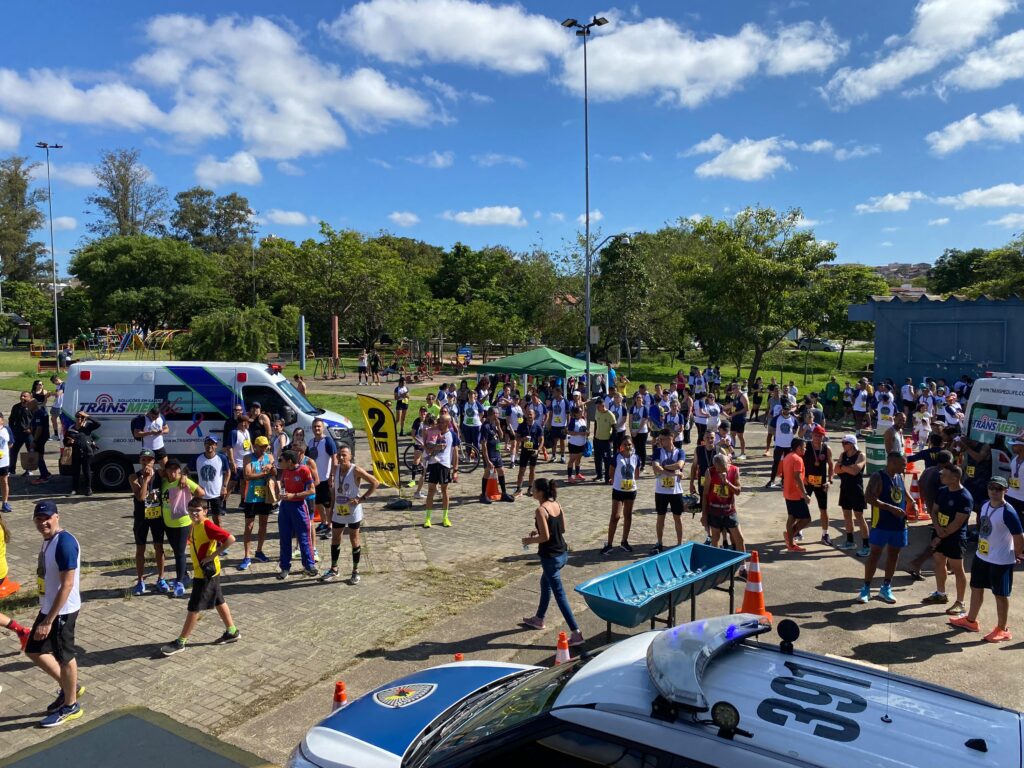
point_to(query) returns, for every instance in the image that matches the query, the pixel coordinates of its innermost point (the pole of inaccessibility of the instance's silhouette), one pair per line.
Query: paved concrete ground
(425, 595)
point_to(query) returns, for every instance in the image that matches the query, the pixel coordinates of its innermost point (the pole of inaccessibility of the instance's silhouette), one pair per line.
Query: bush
(229, 335)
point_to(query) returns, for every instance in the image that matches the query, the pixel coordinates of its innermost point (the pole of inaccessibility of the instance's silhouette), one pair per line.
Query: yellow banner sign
(382, 434)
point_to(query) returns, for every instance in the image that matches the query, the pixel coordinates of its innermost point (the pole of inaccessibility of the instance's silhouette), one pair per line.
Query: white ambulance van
(995, 414)
(195, 399)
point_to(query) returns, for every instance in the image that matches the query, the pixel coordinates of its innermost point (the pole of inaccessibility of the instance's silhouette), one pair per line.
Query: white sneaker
(420, 495)
(741, 457)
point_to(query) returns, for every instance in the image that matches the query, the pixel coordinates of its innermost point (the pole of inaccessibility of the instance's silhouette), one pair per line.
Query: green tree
(229, 335)
(128, 202)
(74, 312)
(955, 270)
(288, 328)
(20, 216)
(1000, 272)
(211, 223)
(622, 295)
(836, 288)
(36, 306)
(481, 326)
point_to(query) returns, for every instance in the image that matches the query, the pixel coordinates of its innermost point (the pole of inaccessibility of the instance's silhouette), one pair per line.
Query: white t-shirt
(5, 444)
(952, 413)
(559, 413)
(153, 442)
(322, 452)
(444, 456)
(472, 414)
(638, 420)
(241, 445)
(58, 397)
(578, 425)
(61, 553)
(346, 513)
(785, 430)
(668, 482)
(624, 478)
(515, 417)
(700, 412)
(907, 393)
(860, 401)
(1015, 492)
(929, 403)
(996, 528)
(886, 412)
(714, 411)
(211, 473)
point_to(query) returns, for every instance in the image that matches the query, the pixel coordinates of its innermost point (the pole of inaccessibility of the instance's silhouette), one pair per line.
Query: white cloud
(557, 216)
(940, 222)
(891, 202)
(411, 32)
(290, 169)
(450, 93)
(382, 163)
(942, 29)
(65, 223)
(890, 229)
(240, 168)
(489, 159)
(805, 223)
(1005, 124)
(288, 218)
(76, 174)
(488, 216)
(990, 67)
(818, 145)
(10, 134)
(658, 56)
(434, 159)
(858, 150)
(646, 157)
(595, 217)
(1010, 221)
(887, 244)
(404, 218)
(999, 196)
(745, 160)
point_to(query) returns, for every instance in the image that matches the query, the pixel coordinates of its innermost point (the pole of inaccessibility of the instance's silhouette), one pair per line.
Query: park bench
(644, 590)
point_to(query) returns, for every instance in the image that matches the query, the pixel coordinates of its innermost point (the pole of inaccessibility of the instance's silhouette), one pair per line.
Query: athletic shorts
(820, 495)
(400, 406)
(880, 537)
(60, 643)
(439, 474)
(362, 369)
(798, 509)
(852, 498)
(664, 501)
(528, 458)
(160, 453)
(323, 493)
(575, 450)
(54, 410)
(723, 522)
(738, 424)
(557, 433)
(984, 575)
(496, 462)
(216, 505)
(145, 529)
(206, 594)
(254, 508)
(346, 526)
(5, 471)
(623, 495)
(952, 547)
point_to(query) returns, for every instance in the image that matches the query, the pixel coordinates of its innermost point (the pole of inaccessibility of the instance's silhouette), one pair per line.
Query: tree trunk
(755, 364)
(842, 351)
(629, 358)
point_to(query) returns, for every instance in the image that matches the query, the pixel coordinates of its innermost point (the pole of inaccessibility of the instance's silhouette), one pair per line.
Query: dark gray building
(929, 336)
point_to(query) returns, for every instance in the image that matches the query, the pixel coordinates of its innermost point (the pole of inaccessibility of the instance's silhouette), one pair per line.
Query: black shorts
(664, 501)
(528, 458)
(738, 424)
(952, 547)
(852, 498)
(323, 493)
(216, 505)
(575, 450)
(400, 406)
(623, 495)
(723, 522)
(438, 474)
(346, 526)
(160, 453)
(254, 508)
(145, 529)
(5, 471)
(820, 495)
(496, 461)
(206, 594)
(984, 575)
(60, 643)
(557, 433)
(798, 509)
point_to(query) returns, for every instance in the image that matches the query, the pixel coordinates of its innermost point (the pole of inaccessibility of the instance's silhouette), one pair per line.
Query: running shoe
(864, 551)
(956, 609)
(311, 572)
(140, 589)
(329, 575)
(885, 594)
(936, 598)
(562, 460)
(506, 497)
(625, 546)
(795, 548)
(446, 523)
(799, 536)
(998, 635)
(426, 523)
(179, 589)
(354, 578)
(580, 478)
(848, 544)
(533, 622)
(915, 575)
(962, 622)
(742, 573)
(485, 499)
(282, 574)
(742, 457)
(411, 484)
(419, 495)
(576, 638)
(826, 540)
(62, 715)
(175, 647)
(228, 637)
(296, 554)
(24, 633)
(865, 595)
(162, 586)
(57, 703)
(6, 507)
(261, 557)
(606, 549)
(244, 565)
(657, 549)
(41, 481)
(707, 541)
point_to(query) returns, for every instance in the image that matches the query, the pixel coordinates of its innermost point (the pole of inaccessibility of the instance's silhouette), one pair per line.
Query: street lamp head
(569, 23)
(600, 21)
(42, 145)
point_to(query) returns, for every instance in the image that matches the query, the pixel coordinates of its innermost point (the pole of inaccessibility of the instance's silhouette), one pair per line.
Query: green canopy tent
(541, 362)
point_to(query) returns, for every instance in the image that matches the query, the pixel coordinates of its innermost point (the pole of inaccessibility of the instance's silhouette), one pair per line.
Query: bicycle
(469, 458)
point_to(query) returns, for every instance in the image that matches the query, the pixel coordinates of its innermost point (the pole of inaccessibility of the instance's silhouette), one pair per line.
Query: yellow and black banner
(382, 434)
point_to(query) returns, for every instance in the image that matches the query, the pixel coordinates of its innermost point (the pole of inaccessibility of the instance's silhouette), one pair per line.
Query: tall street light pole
(53, 254)
(583, 30)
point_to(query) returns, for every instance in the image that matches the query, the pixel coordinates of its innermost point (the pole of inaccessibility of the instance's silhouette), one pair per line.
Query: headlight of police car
(337, 432)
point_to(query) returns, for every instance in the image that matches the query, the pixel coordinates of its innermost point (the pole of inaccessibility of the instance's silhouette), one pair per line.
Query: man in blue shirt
(950, 512)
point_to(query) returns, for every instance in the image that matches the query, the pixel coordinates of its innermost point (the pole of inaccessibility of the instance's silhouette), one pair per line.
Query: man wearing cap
(214, 472)
(887, 495)
(147, 521)
(239, 445)
(51, 645)
(258, 468)
(1000, 548)
(818, 476)
(151, 432)
(849, 468)
(1016, 479)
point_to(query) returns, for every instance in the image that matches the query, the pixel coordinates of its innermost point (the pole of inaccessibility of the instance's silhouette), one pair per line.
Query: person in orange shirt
(796, 495)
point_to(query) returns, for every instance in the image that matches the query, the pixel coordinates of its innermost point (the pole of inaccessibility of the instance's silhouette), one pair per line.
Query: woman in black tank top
(549, 536)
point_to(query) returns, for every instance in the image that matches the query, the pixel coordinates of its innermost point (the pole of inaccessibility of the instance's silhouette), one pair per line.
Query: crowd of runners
(677, 447)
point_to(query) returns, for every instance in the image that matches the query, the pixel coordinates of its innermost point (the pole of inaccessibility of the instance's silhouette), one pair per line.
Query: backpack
(139, 422)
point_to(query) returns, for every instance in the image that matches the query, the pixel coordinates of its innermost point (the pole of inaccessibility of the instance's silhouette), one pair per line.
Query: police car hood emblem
(404, 695)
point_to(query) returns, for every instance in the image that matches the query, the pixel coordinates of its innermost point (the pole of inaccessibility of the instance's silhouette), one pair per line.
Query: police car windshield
(296, 397)
(505, 709)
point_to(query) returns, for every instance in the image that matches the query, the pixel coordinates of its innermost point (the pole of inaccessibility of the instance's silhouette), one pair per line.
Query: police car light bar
(274, 367)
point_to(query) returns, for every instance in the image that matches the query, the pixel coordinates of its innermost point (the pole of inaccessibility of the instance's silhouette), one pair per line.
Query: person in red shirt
(795, 493)
(206, 541)
(721, 486)
(293, 516)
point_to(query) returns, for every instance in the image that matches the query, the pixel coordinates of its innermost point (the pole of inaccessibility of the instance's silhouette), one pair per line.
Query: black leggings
(701, 429)
(640, 444)
(178, 539)
(777, 457)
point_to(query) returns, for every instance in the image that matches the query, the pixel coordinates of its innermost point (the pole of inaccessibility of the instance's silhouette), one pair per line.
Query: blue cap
(211, 439)
(45, 508)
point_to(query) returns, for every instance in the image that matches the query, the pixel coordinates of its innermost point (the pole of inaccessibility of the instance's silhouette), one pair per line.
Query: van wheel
(111, 474)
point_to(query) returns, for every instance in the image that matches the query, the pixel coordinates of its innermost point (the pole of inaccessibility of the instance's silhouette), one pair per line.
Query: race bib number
(499, 447)
(343, 510)
(635, 426)
(627, 485)
(1014, 481)
(2, 454)
(668, 482)
(41, 585)
(814, 479)
(152, 512)
(528, 445)
(259, 491)
(983, 546)
(943, 519)
(885, 417)
(721, 490)
(970, 471)
(246, 445)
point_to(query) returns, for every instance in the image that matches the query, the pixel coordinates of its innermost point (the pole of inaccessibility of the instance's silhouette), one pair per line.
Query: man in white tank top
(347, 515)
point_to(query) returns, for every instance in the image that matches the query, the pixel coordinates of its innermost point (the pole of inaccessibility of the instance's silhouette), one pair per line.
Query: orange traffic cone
(340, 696)
(915, 504)
(9, 587)
(459, 656)
(562, 651)
(753, 596)
(493, 492)
(908, 445)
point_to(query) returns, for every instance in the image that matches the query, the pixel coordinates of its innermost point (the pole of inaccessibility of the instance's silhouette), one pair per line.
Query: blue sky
(894, 126)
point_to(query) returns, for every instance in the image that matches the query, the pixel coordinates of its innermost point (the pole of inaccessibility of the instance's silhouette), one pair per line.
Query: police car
(707, 693)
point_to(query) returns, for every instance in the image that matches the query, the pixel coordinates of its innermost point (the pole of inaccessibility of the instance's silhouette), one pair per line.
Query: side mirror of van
(290, 417)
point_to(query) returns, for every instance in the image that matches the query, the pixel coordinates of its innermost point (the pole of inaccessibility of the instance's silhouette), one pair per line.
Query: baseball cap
(145, 453)
(851, 439)
(999, 480)
(819, 430)
(255, 404)
(261, 440)
(211, 439)
(45, 508)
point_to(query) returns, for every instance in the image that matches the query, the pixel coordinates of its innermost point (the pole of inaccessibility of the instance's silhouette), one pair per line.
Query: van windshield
(291, 393)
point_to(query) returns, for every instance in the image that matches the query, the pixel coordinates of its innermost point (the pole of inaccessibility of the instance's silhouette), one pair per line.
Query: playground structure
(114, 343)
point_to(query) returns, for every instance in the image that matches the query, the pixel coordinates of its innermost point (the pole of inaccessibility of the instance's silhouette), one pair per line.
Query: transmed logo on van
(106, 404)
(997, 426)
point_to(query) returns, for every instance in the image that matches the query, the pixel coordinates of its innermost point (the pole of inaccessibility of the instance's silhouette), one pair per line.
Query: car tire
(111, 472)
